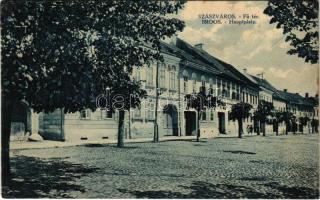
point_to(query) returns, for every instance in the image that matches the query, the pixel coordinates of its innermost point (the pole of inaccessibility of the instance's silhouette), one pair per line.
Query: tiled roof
(236, 72)
(313, 100)
(203, 56)
(294, 98)
(264, 83)
(187, 57)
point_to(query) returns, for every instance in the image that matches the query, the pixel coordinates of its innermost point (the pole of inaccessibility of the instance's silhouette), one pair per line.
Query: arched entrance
(20, 122)
(170, 120)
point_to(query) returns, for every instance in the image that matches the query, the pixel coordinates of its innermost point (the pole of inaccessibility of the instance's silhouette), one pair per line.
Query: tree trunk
(129, 128)
(121, 129)
(258, 127)
(5, 143)
(277, 128)
(263, 128)
(240, 131)
(156, 127)
(287, 127)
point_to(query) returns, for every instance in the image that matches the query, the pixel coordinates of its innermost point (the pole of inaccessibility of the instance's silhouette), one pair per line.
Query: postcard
(160, 99)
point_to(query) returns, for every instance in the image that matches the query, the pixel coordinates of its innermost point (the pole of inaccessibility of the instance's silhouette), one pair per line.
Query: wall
(51, 125)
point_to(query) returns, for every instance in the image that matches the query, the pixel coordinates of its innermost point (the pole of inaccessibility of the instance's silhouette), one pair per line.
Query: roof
(187, 57)
(204, 57)
(293, 98)
(240, 75)
(313, 100)
(264, 83)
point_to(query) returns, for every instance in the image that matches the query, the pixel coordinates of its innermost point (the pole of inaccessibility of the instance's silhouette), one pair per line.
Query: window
(211, 115)
(194, 82)
(204, 115)
(85, 114)
(224, 93)
(137, 75)
(137, 113)
(211, 90)
(203, 86)
(149, 76)
(234, 95)
(228, 89)
(185, 84)
(172, 83)
(150, 110)
(219, 88)
(106, 114)
(162, 77)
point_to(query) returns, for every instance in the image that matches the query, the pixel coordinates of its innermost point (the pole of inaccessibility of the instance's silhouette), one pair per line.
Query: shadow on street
(38, 178)
(202, 190)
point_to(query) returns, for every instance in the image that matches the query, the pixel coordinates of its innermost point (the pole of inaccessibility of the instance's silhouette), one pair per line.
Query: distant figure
(249, 129)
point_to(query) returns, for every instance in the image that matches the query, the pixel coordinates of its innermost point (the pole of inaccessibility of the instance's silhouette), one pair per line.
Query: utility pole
(156, 128)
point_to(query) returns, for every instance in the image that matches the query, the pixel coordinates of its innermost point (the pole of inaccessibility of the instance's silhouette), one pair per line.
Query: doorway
(171, 120)
(191, 122)
(222, 123)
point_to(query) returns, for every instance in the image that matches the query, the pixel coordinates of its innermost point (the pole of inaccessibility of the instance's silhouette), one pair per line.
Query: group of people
(249, 129)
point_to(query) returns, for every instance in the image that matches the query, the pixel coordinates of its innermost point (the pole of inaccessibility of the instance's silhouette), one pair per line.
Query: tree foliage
(239, 112)
(299, 21)
(263, 110)
(289, 119)
(304, 120)
(63, 54)
(201, 101)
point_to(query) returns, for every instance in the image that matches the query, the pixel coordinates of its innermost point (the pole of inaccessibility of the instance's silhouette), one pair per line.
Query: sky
(256, 47)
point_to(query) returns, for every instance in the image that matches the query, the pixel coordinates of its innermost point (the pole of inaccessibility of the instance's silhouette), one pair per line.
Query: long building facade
(186, 70)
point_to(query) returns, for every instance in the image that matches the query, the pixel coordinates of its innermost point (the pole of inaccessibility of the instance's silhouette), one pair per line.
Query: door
(190, 121)
(222, 128)
(171, 120)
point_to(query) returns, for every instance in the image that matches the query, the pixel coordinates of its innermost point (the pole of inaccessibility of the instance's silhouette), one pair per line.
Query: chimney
(174, 39)
(307, 95)
(198, 46)
(245, 70)
(285, 90)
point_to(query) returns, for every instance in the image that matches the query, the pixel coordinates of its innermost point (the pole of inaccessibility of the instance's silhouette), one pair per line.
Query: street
(283, 166)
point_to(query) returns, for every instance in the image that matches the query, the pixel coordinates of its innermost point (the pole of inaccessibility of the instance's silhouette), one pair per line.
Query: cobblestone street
(253, 167)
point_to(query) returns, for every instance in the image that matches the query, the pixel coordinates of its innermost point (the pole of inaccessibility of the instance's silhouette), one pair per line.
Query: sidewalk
(19, 145)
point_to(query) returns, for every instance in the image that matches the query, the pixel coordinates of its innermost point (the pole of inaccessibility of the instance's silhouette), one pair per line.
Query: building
(186, 70)
(300, 108)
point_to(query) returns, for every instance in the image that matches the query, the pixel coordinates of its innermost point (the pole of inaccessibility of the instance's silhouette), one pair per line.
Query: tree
(314, 125)
(303, 122)
(299, 21)
(288, 118)
(278, 118)
(239, 112)
(262, 112)
(63, 54)
(199, 102)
